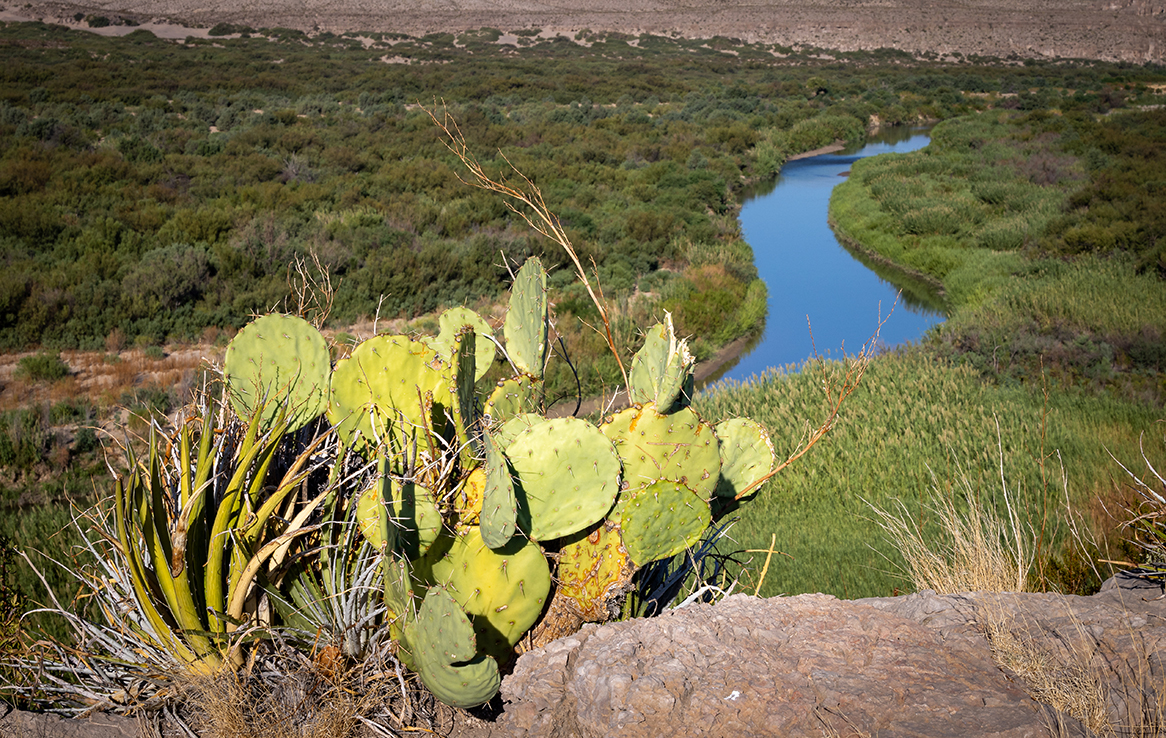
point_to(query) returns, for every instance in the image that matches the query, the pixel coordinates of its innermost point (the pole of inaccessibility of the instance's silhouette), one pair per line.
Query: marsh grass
(915, 420)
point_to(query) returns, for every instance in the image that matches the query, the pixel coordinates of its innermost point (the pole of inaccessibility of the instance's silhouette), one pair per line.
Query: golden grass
(980, 550)
(302, 696)
(975, 549)
(1072, 685)
(1111, 697)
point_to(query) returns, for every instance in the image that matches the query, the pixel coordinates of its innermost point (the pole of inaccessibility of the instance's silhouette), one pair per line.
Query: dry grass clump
(1071, 685)
(320, 695)
(974, 549)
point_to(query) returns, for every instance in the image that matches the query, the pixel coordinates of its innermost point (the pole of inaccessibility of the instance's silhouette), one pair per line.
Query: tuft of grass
(974, 550)
(1072, 685)
(310, 692)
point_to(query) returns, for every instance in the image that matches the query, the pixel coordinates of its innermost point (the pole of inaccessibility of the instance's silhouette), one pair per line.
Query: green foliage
(916, 424)
(24, 439)
(42, 367)
(11, 602)
(465, 514)
(121, 207)
(979, 209)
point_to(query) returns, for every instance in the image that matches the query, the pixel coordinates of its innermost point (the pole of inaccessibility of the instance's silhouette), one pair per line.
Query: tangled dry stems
(976, 549)
(1071, 685)
(979, 550)
(296, 695)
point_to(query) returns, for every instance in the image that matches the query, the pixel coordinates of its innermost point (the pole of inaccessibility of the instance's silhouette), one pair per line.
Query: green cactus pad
(594, 570)
(502, 590)
(412, 508)
(512, 428)
(392, 379)
(499, 505)
(444, 653)
(662, 368)
(278, 361)
(678, 446)
(526, 319)
(512, 397)
(461, 401)
(747, 455)
(661, 520)
(568, 475)
(452, 321)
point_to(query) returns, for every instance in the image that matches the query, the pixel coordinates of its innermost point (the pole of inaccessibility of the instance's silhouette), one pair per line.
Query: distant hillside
(1113, 30)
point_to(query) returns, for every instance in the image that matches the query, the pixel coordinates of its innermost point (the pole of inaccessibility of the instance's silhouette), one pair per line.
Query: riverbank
(833, 148)
(868, 254)
(980, 227)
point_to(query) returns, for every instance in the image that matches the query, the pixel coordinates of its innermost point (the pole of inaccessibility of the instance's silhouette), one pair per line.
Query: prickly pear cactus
(662, 368)
(384, 393)
(452, 322)
(499, 510)
(568, 477)
(444, 652)
(526, 320)
(476, 502)
(276, 363)
(679, 446)
(661, 520)
(747, 455)
(412, 510)
(510, 398)
(594, 570)
(503, 590)
(462, 404)
(467, 499)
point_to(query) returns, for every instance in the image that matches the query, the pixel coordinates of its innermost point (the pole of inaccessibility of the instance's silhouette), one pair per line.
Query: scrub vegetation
(154, 194)
(1039, 232)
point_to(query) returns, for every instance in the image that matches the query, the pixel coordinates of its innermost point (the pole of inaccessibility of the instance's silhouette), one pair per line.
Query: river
(810, 275)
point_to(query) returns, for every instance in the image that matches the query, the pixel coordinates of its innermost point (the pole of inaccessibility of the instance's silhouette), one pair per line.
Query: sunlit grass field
(915, 427)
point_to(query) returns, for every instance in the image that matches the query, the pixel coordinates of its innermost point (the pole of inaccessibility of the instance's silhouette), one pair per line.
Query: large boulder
(919, 665)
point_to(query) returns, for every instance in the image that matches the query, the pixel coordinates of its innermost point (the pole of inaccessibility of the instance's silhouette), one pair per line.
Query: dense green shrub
(44, 367)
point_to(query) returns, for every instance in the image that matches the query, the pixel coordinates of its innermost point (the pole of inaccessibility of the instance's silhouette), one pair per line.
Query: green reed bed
(914, 426)
(988, 211)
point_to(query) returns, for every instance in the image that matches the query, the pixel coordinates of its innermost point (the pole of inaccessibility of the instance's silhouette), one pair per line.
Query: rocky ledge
(920, 665)
(923, 665)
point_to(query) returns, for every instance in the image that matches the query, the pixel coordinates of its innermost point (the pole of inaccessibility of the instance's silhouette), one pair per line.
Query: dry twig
(536, 213)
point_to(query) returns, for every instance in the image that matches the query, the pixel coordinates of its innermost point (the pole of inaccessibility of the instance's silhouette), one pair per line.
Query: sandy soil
(1131, 30)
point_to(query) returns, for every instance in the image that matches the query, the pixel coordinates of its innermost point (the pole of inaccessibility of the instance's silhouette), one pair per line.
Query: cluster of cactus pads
(479, 509)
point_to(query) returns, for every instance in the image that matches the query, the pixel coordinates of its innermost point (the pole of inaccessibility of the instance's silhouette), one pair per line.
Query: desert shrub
(43, 367)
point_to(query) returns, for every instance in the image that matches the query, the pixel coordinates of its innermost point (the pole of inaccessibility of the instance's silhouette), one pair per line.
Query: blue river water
(810, 276)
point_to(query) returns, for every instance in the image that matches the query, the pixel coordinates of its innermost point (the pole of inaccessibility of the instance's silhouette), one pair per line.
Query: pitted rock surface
(907, 666)
(791, 666)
